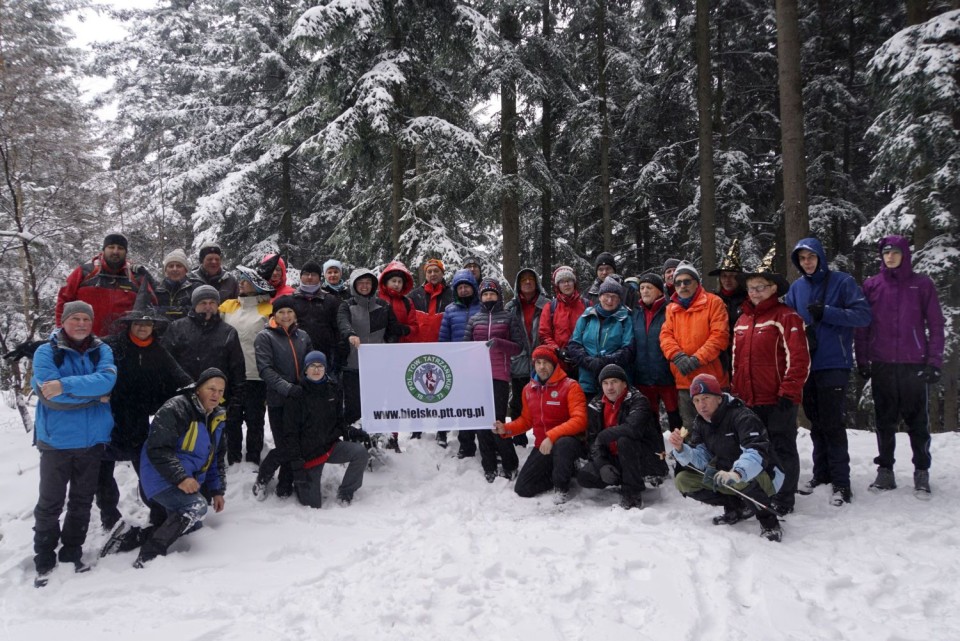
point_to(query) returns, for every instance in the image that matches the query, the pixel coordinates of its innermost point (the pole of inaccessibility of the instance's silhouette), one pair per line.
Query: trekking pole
(734, 490)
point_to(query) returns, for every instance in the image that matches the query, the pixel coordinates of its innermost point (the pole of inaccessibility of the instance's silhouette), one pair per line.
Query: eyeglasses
(686, 282)
(757, 289)
(316, 366)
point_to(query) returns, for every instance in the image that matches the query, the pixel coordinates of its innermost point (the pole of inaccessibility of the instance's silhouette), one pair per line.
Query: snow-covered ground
(429, 550)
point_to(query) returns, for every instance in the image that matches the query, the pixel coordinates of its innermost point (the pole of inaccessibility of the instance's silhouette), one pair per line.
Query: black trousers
(541, 473)
(782, 431)
(351, 396)
(899, 393)
(272, 460)
(633, 462)
(490, 443)
(60, 469)
(824, 403)
(249, 410)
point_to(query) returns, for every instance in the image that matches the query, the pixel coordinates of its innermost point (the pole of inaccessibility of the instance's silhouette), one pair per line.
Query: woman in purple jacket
(504, 337)
(902, 350)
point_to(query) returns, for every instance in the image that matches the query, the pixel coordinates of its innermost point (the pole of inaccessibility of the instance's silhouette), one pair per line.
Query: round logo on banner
(429, 378)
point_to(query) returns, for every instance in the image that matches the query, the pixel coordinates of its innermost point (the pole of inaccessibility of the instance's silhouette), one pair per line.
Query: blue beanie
(315, 357)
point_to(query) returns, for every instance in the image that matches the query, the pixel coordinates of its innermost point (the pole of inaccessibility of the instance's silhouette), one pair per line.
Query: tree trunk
(604, 125)
(546, 143)
(708, 234)
(509, 166)
(795, 214)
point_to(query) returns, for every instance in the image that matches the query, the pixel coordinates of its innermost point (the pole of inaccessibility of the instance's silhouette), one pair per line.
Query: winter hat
(433, 262)
(705, 384)
(76, 307)
(312, 267)
(204, 292)
(611, 286)
(176, 256)
(891, 247)
(207, 374)
(491, 285)
(605, 258)
(472, 260)
(115, 238)
(314, 357)
(210, 248)
(284, 302)
(612, 371)
(670, 263)
(547, 353)
(653, 279)
(686, 268)
(563, 272)
(333, 262)
(250, 275)
(633, 281)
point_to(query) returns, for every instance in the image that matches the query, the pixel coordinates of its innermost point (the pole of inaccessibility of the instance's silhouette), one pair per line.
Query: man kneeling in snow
(182, 467)
(729, 443)
(556, 408)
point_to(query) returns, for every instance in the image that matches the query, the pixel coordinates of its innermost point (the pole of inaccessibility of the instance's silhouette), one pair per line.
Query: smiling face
(609, 302)
(760, 289)
(364, 285)
(332, 275)
(285, 317)
(211, 264)
(175, 271)
(808, 261)
(668, 275)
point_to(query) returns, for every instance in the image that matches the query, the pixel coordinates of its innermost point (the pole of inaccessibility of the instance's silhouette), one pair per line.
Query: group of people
(205, 352)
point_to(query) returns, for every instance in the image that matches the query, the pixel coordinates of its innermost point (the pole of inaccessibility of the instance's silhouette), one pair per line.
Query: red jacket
(402, 305)
(558, 319)
(110, 293)
(554, 409)
(770, 355)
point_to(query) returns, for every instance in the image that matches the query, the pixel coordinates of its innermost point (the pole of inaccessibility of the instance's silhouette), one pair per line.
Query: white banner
(426, 387)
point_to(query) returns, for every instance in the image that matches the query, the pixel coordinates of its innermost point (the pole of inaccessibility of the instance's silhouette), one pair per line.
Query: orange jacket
(701, 330)
(553, 409)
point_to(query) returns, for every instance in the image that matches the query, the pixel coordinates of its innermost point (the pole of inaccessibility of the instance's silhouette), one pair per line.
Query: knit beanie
(314, 357)
(207, 374)
(176, 256)
(284, 302)
(312, 267)
(204, 292)
(563, 272)
(686, 268)
(653, 279)
(491, 285)
(611, 286)
(210, 248)
(705, 384)
(612, 371)
(546, 353)
(670, 263)
(605, 258)
(333, 262)
(433, 262)
(115, 238)
(76, 307)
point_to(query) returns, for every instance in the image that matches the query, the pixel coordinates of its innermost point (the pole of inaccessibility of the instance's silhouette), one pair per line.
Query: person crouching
(727, 460)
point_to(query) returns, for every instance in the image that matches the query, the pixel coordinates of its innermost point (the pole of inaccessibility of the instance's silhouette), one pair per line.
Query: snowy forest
(530, 132)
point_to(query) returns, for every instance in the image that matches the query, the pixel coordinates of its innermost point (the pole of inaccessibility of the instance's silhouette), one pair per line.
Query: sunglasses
(684, 282)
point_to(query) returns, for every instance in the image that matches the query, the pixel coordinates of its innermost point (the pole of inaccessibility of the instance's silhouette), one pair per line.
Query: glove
(23, 350)
(727, 478)
(816, 311)
(930, 374)
(295, 392)
(864, 371)
(592, 364)
(784, 404)
(563, 356)
(357, 435)
(609, 474)
(687, 364)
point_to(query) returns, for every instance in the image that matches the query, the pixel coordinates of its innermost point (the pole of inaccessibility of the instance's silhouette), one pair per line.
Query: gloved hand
(930, 374)
(864, 371)
(784, 404)
(816, 311)
(490, 343)
(609, 474)
(357, 435)
(592, 364)
(686, 364)
(727, 478)
(23, 350)
(295, 391)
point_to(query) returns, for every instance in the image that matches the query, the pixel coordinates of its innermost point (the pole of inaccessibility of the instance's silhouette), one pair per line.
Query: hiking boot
(509, 474)
(773, 533)
(416, 435)
(560, 495)
(731, 516)
(921, 483)
(815, 483)
(42, 578)
(630, 500)
(782, 509)
(344, 498)
(260, 491)
(885, 480)
(462, 453)
(841, 495)
(490, 476)
(284, 491)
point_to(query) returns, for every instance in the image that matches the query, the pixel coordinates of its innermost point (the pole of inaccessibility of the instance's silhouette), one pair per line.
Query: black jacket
(734, 426)
(197, 344)
(634, 421)
(280, 356)
(371, 319)
(173, 299)
(317, 316)
(312, 424)
(146, 378)
(421, 298)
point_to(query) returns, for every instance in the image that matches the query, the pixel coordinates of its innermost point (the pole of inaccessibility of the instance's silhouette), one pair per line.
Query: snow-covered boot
(885, 480)
(921, 484)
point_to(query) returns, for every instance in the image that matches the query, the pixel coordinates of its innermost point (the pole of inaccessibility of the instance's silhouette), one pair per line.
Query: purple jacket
(907, 325)
(501, 327)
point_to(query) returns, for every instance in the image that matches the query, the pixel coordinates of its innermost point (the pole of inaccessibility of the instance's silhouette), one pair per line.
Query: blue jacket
(845, 308)
(598, 341)
(76, 418)
(650, 366)
(457, 313)
(184, 442)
